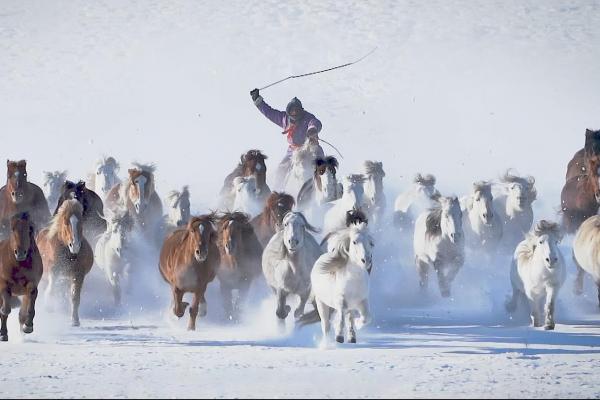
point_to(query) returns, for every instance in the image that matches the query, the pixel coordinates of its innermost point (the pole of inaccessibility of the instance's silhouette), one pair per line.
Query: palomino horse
(580, 196)
(246, 197)
(93, 208)
(323, 187)
(112, 247)
(514, 207)
(66, 254)
(252, 163)
(340, 282)
(270, 220)
(483, 230)
(438, 243)
(104, 177)
(419, 198)
(374, 198)
(538, 271)
(241, 255)
(352, 198)
(578, 164)
(138, 195)
(20, 273)
(53, 184)
(301, 166)
(178, 207)
(586, 248)
(288, 260)
(188, 260)
(19, 196)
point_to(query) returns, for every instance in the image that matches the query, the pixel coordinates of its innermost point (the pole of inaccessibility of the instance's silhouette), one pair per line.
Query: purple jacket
(299, 134)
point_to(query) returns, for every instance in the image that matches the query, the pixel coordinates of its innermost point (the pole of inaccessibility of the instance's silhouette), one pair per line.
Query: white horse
(352, 198)
(316, 195)
(419, 198)
(340, 282)
(53, 185)
(586, 251)
(302, 166)
(538, 271)
(111, 249)
(374, 198)
(287, 261)
(104, 177)
(483, 229)
(178, 206)
(439, 244)
(246, 196)
(514, 207)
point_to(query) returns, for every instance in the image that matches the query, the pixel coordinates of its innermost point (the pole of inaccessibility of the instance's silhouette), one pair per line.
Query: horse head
(53, 183)
(246, 194)
(118, 226)
(106, 174)
(141, 186)
(16, 180)
(295, 226)
(253, 164)
(450, 221)
(354, 190)
(277, 206)
(325, 174)
(179, 206)
(481, 202)
(67, 225)
(521, 191)
(202, 232)
(21, 236)
(360, 246)
(232, 227)
(545, 240)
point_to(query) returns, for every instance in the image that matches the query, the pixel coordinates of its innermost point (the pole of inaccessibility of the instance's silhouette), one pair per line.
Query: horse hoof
(4, 338)
(339, 339)
(27, 328)
(75, 323)
(298, 313)
(191, 328)
(353, 340)
(549, 327)
(445, 293)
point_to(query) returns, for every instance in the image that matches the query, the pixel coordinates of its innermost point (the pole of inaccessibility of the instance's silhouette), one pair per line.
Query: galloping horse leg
(535, 313)
(512, 304)
(194, 312)
(578, 285)
(76, 285)
(350, 327)
(202, 308)
(116, 289)
(303, 300)
(339, 322)
(324, 313)
(27, 311)
(241, 299)
(443, 281)
(49, 292)
(4, 311)
(179, 306)
(423, 269)
(598, 285)
(227, 301)
(282, 308)
(549, 308)
(365, 313)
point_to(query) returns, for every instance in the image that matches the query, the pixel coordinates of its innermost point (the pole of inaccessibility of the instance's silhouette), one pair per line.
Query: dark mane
(592, 143)
(425, 180)
(355, 217)
(433, 222)
(235, 216)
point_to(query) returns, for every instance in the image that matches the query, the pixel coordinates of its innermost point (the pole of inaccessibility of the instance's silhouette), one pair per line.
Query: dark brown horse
(268, 222)
(188, 262)
(20, 273)
(66, 254)
(19, 196)
(94, 223)
(580, 196)
(591, 149)
(252, 163)
(241, 259)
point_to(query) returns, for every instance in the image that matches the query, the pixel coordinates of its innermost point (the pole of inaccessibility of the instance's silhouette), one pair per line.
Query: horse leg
(598, 285)
(227, 301)
(341, 310)
(49, 292)
(350, 327)
(423, 269)
(303, 300)
(27, 312)
(179, 306)
(549, 308)
(202, 307)
(282, 308)
(365, 313)
(76, 286)
(4, 312)
(194, 312)
(512, 304)
(324, 312)
(116, 289)
(443, 282)
(535, 312)
(578, 285)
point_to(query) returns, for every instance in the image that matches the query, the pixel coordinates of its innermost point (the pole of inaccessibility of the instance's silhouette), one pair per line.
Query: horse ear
(531, 180)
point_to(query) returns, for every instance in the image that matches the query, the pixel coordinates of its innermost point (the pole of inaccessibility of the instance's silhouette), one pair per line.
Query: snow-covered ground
(461, 89)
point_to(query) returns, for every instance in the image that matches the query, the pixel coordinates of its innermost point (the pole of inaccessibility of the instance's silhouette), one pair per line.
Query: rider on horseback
(297, 123)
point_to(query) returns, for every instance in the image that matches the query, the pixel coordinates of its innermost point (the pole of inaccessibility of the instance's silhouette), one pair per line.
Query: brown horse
(252, 163)
(188, 262)
(20, 273)
(268, 222)
(94, 223)
(580, 196)
(241, 259)
(591, 149)
(19, 195)
(66, 254)
(138, 195)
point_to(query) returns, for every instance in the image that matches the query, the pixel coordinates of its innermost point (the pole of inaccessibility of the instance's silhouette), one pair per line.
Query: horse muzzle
(17, 196)
(74, 248)
(200, 256)
(20, 255)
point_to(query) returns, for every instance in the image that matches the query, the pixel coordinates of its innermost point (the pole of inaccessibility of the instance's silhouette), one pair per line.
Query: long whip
(332, 146)
(321, 71)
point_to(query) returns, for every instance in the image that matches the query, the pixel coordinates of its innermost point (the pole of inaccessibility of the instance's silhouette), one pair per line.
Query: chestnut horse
(94, 223)
(66, 254)
(267, 223)
(252, 163)
(20, 273)
(580, 196)
(138, 195)
(188, 262)
(241, 259)
(577, 166)
(19, 196)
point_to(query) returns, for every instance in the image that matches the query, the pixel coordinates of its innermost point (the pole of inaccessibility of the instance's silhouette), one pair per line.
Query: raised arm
(275, 116)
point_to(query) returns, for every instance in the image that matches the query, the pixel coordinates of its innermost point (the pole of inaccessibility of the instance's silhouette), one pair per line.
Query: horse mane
(425, 180)
(355, 217)
(174, 195)
(59, 223)
(592, 142)
(271, 204)
(16, 164)
(148, 168)
(355, 178)
(374, 168)
(528, 182)
(433, 223)
(338, 246)
(234, 216)
(482, 187)
(49, 176)
(307, 225)
(526, 248)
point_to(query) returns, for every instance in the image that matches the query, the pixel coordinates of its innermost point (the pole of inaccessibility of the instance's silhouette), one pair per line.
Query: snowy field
(460, 89)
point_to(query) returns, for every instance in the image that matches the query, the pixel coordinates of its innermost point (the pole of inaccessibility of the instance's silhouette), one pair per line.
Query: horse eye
(354, 242)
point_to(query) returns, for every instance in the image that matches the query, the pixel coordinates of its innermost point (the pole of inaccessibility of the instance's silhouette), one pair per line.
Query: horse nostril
(363, 260)
(547, 260)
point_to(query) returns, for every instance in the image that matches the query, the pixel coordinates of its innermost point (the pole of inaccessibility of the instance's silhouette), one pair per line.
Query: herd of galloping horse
(313, 238)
